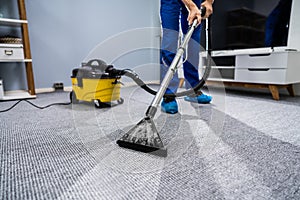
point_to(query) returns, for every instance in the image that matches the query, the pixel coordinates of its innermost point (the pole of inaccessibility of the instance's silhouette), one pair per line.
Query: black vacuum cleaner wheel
(99, 104)
(120, 101)
(73, 97)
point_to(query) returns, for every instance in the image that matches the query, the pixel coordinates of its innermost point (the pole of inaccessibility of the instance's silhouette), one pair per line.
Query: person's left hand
(209, 8)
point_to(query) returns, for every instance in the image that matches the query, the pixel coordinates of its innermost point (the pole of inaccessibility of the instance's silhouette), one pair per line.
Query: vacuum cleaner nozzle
(143, 137)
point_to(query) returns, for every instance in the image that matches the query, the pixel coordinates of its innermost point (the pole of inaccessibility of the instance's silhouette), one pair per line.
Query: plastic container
(91, 85)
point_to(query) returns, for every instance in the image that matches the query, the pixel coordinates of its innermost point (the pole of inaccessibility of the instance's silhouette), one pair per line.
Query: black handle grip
(100, 64)
(203, 11)
(259, 55)
(195, 21)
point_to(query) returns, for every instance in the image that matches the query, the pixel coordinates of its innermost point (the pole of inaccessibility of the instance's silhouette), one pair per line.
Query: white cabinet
(272, 68)
(18, 53)
(262, 67)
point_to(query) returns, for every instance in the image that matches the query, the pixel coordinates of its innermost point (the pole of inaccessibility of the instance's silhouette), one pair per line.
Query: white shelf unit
(17, 94)
(270, 68)
(12, 22)
(224, 65)
(16, 60)
(19, 53)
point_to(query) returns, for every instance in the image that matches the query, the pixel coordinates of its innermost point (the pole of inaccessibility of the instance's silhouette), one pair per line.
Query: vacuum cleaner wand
(170, 73)
(144, 136)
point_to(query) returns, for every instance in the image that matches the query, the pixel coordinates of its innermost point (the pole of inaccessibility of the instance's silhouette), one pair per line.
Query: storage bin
(11, 52)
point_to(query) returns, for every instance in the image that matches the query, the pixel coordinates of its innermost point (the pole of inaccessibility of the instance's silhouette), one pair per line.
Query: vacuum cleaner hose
(131, 74)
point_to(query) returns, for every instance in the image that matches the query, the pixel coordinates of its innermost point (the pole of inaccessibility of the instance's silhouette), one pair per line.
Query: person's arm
(194, 12)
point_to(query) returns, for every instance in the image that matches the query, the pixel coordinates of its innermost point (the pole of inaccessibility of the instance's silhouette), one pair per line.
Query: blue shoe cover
(202, 99)
(169, 107)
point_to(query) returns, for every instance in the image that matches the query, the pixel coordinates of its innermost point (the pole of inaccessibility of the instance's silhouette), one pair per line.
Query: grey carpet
(242, 146)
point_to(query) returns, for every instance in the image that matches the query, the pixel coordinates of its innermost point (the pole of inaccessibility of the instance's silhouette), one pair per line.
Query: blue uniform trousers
(173, 13)
(276, 32)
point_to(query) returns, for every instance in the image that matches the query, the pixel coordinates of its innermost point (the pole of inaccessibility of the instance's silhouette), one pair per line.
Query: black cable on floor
(34, 105)
(8, 109)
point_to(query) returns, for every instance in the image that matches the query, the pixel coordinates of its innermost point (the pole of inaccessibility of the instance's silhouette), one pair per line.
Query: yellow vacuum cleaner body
(90, 84)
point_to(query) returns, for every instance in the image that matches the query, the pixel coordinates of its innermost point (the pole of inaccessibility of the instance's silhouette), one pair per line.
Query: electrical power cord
(34, 105)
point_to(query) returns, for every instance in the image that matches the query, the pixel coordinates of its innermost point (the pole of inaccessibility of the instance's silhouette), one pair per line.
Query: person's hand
(209, 8)
(194, 13)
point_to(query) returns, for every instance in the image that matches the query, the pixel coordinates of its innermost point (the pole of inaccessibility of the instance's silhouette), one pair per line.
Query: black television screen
(240, 24)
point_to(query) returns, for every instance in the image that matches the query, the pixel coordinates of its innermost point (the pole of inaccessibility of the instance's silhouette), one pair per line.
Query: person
(276, 31)
(173, 13)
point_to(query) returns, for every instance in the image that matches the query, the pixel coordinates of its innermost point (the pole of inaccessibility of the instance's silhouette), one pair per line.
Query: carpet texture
(243, 145)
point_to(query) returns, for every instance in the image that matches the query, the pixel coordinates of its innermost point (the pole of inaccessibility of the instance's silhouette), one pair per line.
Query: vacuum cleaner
(143, 136)
(91, 83)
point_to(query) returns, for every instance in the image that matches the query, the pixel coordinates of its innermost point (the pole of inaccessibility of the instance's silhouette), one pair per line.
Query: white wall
(64, 32)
